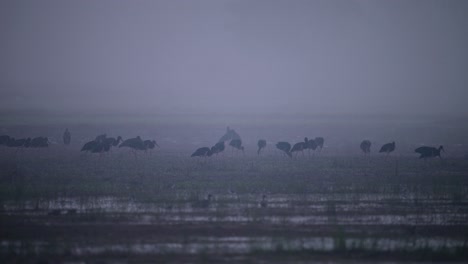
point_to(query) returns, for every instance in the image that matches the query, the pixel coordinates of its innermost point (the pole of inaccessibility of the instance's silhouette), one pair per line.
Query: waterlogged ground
(60, 205)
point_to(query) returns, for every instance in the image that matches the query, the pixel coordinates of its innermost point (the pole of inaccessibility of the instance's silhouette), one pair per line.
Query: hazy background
(233, 56)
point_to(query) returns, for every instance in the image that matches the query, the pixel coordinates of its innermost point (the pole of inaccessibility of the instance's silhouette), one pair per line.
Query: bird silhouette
(300, 146)
(134, 143)
(16, 143)
(66, 137)
(285, 147)
(237, 144)
(319, 141)
(101, 146)
(113, 142)
(311, 145)
(88, 146)
(101, 137)
(150, 144)
(387, 148)
(261, 145)
(202, 152)
(218, 148)
(365, 146)
(429, 152)
(229, 135)
(39, 142)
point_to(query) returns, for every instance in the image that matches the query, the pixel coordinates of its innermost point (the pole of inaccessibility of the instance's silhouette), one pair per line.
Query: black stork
(261, 145)
(365, 146)
(387, 148)
(429, 152)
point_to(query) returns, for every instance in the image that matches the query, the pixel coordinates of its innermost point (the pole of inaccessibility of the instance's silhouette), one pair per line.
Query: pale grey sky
(329, 56)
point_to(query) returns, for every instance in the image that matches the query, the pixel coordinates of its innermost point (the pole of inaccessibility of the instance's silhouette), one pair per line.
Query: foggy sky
(395, 56)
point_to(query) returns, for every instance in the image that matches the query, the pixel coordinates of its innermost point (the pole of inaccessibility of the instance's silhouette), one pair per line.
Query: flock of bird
(103, 143)
(308, 144)
(37, 142)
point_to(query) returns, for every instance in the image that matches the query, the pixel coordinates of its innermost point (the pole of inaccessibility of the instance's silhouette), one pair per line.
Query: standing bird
(16, 143)
(134, 143)
(319, 141)
(202, 152)
(113, 141)
(88, 146)
(387, 148)
(218, 148)
(285, 147)
(101, 146)
(365, 146)
(311, 145)
(229, 135)
(66, 137)
(150, 144)
(39, 142)
(300, 146)
(237, 144)
(101, 137)
(429, 152)
(261, 145)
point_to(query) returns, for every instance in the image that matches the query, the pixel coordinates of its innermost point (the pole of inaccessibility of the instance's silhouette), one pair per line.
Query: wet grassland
(61, 205)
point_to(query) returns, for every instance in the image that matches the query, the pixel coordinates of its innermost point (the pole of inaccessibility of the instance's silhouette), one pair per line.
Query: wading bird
(218, 148)
(311, 145)
(150, 144)
(319, 141)
(202, 152)
(113, 141)
(88, 146)
(101, 137)
(300, 146)
(285, 147)
(101, 147)
(39, 142)
(261, 145)
(229, 135)
(237, 144)
(66, 137)
(429, 152)
(365, 146)
(134, 143)
(387, 148)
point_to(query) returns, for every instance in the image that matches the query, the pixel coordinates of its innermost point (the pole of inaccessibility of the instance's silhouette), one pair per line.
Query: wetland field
(59, 205)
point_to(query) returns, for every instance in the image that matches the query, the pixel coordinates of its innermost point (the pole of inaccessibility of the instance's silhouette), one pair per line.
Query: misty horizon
(311, 57)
